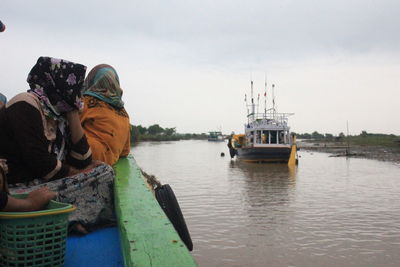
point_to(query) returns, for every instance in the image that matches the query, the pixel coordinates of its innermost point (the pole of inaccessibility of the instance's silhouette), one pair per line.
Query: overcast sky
(188, 64)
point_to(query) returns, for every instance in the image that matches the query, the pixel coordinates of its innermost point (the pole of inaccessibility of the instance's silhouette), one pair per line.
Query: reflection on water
(264, 185)
(265, 171)
(325, 212)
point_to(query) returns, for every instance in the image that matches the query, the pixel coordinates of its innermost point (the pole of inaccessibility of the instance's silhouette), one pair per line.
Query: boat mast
(273, 99)
(247, 107)
(265, 97)
(252, 102)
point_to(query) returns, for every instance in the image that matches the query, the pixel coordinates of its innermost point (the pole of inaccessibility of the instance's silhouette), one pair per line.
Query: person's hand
(39, 198)
(94, 163)
(74, 126)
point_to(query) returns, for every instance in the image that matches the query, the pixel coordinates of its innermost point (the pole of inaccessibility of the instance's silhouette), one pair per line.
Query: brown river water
(325, 212)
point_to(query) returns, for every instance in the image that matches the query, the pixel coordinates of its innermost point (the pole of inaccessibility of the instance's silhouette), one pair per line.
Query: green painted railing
(147, 236)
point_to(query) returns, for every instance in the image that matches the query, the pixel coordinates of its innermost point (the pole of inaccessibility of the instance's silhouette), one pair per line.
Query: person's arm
(80, 155)
(75, 126)
(127, 147)
(35, 200)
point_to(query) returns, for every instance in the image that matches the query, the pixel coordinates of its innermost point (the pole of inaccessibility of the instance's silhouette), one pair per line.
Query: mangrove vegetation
(157, 133)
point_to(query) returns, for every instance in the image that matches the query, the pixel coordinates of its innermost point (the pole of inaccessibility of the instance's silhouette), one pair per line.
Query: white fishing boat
(267, 136)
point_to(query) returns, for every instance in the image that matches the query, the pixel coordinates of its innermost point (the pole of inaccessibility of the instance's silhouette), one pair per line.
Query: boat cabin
(268, 137)
(268, 129)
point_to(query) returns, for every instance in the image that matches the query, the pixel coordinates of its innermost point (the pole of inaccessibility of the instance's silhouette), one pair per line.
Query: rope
(151, 180)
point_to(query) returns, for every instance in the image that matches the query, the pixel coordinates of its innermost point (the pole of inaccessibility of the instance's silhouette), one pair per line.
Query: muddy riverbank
(339, 149)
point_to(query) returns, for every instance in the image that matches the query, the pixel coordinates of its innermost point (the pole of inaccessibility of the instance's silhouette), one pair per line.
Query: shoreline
(381, 153)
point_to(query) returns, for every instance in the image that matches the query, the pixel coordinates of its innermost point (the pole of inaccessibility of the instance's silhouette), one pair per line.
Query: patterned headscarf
(58, 84)
(102, 83)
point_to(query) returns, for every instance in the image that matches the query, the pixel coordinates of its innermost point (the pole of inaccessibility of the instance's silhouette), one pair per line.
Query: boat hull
(143, 237)
(264, 154)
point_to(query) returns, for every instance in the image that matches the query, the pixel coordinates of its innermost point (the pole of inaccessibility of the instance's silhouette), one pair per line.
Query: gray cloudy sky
(188, 64)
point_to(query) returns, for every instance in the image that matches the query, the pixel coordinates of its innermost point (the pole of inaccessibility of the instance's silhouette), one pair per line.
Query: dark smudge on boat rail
(326, 212)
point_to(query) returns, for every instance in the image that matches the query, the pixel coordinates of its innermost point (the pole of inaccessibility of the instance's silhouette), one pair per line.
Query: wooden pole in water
(348, 144)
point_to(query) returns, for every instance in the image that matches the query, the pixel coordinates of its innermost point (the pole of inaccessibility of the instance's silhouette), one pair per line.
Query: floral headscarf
(58, 84)
(102, 82)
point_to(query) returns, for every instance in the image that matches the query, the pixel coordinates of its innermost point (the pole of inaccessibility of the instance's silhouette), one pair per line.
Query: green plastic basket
(34, 238)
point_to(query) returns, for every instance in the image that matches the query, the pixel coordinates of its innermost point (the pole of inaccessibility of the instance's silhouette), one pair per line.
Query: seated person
(42, 140)
(36, 200)
(41, 136)
(104, 119)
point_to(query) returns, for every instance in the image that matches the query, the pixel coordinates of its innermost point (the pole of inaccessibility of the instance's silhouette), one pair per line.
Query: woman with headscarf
(40, 136)
(104, 119)
(42, 141)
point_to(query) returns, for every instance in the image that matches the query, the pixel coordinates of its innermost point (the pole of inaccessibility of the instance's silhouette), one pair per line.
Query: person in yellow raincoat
(104, 118)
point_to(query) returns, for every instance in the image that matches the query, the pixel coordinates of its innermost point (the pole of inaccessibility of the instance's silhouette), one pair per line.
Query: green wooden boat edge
(147, 236)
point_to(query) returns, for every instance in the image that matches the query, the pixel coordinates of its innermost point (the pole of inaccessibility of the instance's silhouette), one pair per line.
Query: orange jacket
(107, 130)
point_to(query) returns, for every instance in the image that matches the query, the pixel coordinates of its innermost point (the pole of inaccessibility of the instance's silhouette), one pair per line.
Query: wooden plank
(147, 236)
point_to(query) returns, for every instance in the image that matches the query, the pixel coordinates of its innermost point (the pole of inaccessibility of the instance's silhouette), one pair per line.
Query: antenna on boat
(247, 106)
(252, 100)
(265, 96)
(273, 96)
(251, 86)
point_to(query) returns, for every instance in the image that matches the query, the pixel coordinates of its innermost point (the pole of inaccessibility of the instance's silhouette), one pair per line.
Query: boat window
(281, 137)
(251, 138)
(258, 140)
(264, 137)
(273, 137)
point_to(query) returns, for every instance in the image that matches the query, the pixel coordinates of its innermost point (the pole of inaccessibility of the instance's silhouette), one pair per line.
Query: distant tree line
(157, 133)
(364, 138)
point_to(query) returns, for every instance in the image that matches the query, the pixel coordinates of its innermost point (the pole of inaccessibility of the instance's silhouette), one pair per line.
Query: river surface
(326, 212)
